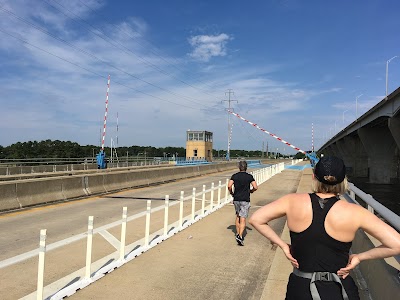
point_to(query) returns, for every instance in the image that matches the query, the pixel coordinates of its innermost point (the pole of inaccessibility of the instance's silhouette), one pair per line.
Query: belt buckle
(323, 276)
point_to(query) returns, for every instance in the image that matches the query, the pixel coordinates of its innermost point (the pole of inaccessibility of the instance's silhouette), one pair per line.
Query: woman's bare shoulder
(350, 210)
(353, 207)
(297, 198)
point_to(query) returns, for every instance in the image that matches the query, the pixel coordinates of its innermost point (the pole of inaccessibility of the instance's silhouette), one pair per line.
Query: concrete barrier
(30, 192)
(42, 169)
(115, 181)
(95, 184)
(137, 179)
(8, 196)
(33, 192)
(74, 187)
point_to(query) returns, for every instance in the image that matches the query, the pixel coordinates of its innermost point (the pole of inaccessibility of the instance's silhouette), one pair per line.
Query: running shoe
(239, 240)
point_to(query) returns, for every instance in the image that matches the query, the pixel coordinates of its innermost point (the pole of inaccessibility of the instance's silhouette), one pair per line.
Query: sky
(297, 68)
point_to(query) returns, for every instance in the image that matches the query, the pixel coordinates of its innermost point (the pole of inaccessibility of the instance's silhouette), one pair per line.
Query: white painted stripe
(110, 238)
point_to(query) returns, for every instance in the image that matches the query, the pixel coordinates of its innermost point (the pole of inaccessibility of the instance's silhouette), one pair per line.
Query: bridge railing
(125, 253)
(374, 206)
(380, 279)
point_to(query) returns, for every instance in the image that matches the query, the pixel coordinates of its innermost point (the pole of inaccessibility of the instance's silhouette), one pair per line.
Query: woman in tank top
(322, 228)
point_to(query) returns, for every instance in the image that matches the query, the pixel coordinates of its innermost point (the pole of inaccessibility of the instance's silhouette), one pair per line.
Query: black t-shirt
(241, 182)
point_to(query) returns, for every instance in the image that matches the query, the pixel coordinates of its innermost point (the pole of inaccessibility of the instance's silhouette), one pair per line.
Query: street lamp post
(357, 105)
(387, 73)
(343, 115)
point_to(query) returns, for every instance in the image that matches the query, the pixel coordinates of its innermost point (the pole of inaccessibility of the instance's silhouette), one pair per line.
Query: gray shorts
(242, 208)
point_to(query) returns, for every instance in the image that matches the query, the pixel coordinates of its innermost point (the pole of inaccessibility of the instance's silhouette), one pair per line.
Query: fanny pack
(320, 276)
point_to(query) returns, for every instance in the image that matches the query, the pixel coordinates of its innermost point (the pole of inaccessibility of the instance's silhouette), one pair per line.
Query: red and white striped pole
(230, 140)
(271, 134)
(105, 115)
(312, 137)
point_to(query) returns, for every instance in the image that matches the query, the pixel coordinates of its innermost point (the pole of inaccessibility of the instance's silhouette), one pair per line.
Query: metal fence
(212, 199)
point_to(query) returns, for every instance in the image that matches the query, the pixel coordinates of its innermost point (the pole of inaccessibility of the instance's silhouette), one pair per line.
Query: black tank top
(313, 248)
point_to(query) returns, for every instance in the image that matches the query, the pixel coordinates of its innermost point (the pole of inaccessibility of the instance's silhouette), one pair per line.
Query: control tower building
(199, 145)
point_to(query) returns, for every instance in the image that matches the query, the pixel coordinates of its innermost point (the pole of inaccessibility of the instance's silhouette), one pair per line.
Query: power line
(174, 64)
(92, 72)
(125, 49)
(90, 55)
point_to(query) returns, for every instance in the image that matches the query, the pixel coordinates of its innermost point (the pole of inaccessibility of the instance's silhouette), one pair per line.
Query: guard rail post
(42, 253)
(203, 201)
(147, 230)
(89, 244)
(181, 210)
(193, 203)
(123, 233)
(166, 215)
(219, 193)
(212, 196)
(226, 190)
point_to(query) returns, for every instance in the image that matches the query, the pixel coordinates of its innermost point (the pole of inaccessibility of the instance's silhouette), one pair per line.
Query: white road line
(110, 238)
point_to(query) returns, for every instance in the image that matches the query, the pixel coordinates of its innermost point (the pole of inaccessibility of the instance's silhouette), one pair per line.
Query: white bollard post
(264, 175)
(226, 190)
(181, 210)
(42, 252)
(123, 233)
(203, 201)
(219, 193)
(166, 215)
(193, 203)
(147, 230)
(89, 248)
(212, 196)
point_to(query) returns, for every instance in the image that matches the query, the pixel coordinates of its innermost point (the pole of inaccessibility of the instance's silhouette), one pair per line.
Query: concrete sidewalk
(205, 262)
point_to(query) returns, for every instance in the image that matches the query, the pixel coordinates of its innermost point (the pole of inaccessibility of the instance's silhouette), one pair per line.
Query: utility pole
(229, 92)
(262, 151)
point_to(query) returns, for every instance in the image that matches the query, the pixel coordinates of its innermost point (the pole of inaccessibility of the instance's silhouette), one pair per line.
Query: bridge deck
(204, 261)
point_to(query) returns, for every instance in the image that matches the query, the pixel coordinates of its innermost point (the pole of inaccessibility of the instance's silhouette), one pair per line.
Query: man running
(241, 198)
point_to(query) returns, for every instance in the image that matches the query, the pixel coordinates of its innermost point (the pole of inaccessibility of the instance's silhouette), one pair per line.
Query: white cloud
(49, 98)
(207, 46)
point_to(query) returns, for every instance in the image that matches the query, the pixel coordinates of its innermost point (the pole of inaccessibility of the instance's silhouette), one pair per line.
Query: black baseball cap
(330, 166)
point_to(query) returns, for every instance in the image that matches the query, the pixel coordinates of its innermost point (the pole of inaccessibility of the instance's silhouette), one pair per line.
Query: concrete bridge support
(380, 146)
(328, 151)
(354, 156)
(394, 127)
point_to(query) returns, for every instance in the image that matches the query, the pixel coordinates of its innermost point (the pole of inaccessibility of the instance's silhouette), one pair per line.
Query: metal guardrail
(374, 206)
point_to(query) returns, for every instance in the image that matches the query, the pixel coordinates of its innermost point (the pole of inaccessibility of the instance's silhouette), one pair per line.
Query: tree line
(68, 149)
